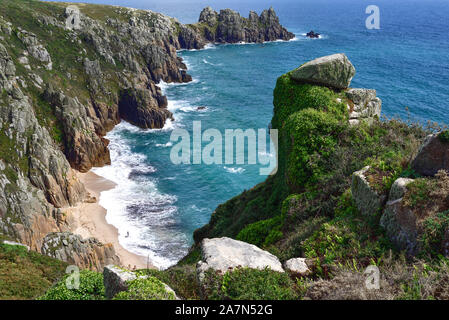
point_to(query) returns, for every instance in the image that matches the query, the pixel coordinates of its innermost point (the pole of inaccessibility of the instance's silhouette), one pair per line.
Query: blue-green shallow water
(160, 204)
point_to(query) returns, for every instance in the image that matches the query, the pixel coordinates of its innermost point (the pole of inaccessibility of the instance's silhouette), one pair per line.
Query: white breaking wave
(234, 170)
(136, 206)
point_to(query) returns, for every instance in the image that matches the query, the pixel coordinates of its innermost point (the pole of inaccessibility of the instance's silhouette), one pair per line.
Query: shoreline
(88, 219)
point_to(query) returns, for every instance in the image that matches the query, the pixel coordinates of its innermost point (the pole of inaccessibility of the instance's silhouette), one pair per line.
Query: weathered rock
(433, 156)
(222, 254)
(73, 18)
(365, 105)
(400, 224)
(312, 35)
(366, 198)
(334, 71)
(229, 27)
(297, 266)
(137, 107)
(399, 188)
(399, 221)
(86, 253)
(115, 280)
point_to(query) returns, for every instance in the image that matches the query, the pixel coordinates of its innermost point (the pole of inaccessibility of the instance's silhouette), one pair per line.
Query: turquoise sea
(161, 204)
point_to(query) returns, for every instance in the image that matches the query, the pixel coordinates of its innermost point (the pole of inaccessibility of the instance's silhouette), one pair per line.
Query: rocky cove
(69, 78)
(352, 191)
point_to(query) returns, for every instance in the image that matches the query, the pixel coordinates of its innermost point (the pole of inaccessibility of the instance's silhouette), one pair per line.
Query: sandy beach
(88, 219)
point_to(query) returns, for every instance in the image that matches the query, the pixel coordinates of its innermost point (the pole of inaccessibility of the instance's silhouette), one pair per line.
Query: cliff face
(68, 75)
(228, 26)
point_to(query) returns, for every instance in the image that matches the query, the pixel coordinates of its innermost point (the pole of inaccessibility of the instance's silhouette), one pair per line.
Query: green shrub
(444, 136)
(262, 233)
(145, 289)
(313, 137)
(434, 229)
(182, 278)
(418, 193)
(90, 288)
(253, 284)
(26, 274)
(290, 97)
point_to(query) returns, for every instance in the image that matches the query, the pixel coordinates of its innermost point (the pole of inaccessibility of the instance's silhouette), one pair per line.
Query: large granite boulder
(223, 254)
(433, 155)
(367, 199)
(333, 71)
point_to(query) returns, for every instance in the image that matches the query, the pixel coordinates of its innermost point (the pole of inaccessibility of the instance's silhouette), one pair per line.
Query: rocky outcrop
(85, 253)
(228, 26)
(433, 156)
(135, 106)
(364, 105)
(117, 280)
(223, 254)
(367, 199)
(312, 35)
(334, 71)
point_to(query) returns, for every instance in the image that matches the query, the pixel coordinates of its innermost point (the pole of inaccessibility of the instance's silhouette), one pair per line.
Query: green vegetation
(181, 278)
(145, 289)
(444, 136)
(249, 284)
(90, 288)
(26, 274)
(318, 153)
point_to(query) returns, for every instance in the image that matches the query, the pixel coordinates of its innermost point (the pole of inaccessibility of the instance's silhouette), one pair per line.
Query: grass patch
(26, 274)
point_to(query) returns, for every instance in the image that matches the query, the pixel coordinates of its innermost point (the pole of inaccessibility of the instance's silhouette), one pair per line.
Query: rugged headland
(68, 75)
(354, 198)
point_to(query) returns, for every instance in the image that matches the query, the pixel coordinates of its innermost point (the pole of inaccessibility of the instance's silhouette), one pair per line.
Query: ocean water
(160, 204)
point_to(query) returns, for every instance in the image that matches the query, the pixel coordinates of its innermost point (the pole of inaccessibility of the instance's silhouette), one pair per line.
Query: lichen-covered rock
(334, 71)
(399, 221)
(366, 198)
(433, 156)
(86, 253)
(115, 280)
(222, 254)
(399, 188)
(366, 106)
(297, 266)
(400, 224)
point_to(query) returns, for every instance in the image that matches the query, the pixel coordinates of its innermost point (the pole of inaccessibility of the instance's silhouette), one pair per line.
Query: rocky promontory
(227, 26)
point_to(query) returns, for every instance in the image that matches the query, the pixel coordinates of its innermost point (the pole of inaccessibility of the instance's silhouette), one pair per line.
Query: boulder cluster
(402, 221)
